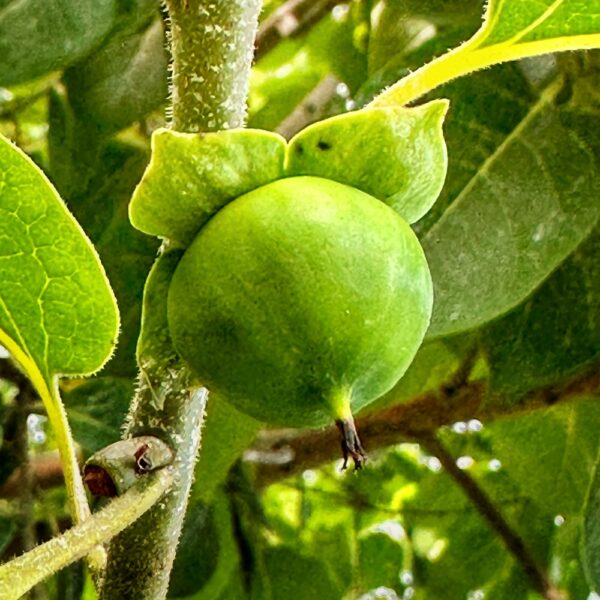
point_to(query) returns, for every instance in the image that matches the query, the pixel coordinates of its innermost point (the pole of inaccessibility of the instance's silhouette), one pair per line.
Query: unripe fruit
(302, 300)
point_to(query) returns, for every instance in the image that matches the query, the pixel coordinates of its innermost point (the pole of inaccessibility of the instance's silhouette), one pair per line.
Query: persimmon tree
(223, 223)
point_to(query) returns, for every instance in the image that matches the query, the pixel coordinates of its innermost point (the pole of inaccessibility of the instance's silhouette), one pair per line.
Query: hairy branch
(22, 573)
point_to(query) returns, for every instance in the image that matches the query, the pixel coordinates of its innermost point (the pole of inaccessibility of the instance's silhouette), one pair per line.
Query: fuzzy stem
(21, 574)
(140, 558)
(211, 48)
(212, 45)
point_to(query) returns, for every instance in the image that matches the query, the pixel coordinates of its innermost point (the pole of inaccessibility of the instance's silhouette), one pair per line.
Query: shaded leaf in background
(127, 254)
(37, 36)
(289, 574)
(553, 333)
(197, 554)
(97, 409)
(8, 528)
(207, 564)
(380, 558)
(551, 455)
(225, 435)
(123, 81)
(526, 209)
(591, 530)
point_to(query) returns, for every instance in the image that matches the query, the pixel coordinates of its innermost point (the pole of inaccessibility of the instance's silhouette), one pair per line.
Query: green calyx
(395, 154)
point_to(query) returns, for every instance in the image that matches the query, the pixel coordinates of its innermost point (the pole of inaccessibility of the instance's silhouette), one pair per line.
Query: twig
(311, 107)
(290, 19)
(408, 421)
(46, 472)
(284, 453)
(489, 511)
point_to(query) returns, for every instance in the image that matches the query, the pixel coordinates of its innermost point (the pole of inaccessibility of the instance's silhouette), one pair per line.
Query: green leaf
(380, 558)
(395, 154)
(58, 315)
(97, 409)
(207, 556)
(37, 36)
(127, 254)
(222, 422)
(511, 30)
(192, 176)
(553, 333)
(526, 209)
(197, 553)
(123, 81)
(516, 23)
(8, 528)
(485, 109)
(292, 575)
(591, 530)
(154, 342)
(551, 455)
(56, 307)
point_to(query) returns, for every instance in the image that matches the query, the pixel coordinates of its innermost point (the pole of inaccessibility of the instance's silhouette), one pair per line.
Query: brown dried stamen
(351, 446)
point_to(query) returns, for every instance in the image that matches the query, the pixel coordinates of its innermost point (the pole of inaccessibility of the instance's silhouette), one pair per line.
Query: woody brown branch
(410, 421)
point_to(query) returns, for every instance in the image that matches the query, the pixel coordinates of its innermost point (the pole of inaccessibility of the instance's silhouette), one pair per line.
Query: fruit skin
(301, 300)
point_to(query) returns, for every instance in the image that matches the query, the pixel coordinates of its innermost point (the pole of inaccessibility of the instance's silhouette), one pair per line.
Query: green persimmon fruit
(300, 301)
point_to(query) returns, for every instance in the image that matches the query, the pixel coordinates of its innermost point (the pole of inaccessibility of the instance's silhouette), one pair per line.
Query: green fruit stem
(212, 46)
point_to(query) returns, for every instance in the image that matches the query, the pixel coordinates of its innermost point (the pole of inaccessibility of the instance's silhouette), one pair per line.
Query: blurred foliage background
(483, 474)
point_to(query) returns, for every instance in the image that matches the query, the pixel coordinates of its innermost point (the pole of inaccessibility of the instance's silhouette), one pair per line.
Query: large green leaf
(395, 154)
(191, 176)
(56, 307)
(97, 409)
(525, 209)
(37, 36)
(553, 333)
(58, 315)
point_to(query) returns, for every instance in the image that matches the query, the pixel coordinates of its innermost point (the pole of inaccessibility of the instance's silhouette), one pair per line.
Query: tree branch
(283, 453)
(290, 19)
(514, 543)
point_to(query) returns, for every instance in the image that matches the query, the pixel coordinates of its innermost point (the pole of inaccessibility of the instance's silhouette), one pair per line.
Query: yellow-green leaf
(58, 315)
(511, 30)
